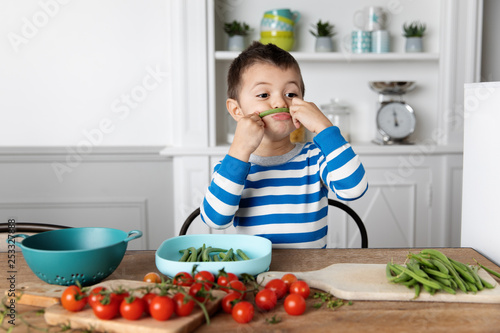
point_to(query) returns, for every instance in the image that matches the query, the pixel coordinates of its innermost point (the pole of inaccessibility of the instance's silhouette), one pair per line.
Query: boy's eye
(265, 95)
(291, 95)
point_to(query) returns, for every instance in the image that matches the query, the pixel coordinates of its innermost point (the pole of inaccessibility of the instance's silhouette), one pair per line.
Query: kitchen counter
(361, 316)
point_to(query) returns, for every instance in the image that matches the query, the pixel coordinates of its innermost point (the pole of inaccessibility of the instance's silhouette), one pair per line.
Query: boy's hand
(309, 115)
(247, 137)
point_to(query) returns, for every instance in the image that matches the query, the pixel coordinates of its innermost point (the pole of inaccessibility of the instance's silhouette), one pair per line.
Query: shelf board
(345, 57)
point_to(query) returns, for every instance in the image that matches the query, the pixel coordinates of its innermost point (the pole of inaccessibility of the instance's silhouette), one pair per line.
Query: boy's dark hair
(259, 53)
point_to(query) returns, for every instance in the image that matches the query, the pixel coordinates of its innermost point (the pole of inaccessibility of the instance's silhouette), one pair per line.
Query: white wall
(79, 72)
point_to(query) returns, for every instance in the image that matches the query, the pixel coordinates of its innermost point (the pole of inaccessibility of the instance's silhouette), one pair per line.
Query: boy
(266, 185)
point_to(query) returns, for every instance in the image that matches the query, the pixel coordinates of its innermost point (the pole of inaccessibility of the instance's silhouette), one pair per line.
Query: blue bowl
(86, 255)
(257, 248)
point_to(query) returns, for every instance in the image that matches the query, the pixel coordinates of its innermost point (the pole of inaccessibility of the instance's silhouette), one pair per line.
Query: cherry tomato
(147, 298)
(243, 312)
(95, 295)
(107, 308)
(301, 288)
(225, 278)
(278, 286)
(237, 287)
(204, 276)
(199, 291)
(132, 308)
(289, 278)
(266, 299)
(183, 279)
(227, 304)
(120, 294)
(295, 304)
(152, 277)
(161, 307)
(73, 299)
(182, 306)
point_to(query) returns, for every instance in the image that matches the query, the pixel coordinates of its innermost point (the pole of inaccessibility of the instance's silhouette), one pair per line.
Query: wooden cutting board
(55, 314)
(369, 282)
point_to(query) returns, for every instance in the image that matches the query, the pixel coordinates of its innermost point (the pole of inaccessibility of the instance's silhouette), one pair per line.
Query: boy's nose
(279, 103)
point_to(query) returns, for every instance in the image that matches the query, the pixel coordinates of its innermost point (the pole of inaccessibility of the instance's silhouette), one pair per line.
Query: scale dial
(395, 121)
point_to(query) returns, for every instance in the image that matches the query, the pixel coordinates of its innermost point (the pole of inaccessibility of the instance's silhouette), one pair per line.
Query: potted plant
(236, 32)
(323, 31)
(414, 32)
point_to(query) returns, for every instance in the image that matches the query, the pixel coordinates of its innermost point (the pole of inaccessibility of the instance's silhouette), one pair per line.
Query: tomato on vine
(183, 279)
(107, 308)
(182, 305)
(73, 299)
(132, 308)
(199, 291)
(228, 302)
(237, 287)
(161, 307)
(224, 278)
(205, 276)
(96, 295)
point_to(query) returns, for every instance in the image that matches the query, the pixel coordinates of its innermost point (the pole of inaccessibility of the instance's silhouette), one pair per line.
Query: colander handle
(8, 240)
(133, 235)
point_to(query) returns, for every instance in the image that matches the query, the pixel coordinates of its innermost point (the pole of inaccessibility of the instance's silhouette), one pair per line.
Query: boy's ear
(233, 107)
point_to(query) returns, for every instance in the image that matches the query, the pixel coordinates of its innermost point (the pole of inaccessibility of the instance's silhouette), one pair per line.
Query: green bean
(410, 283)
(446, 282)
(486, 284)
(228, 255)
(185, 255)
(435, 273)
(194, 254)
(242, 254)
(422, 280)
(422, 260)
(205, 252)
(216, 257)
(447, 288)
(414, 267)
(471, 286)
(417, 290)
(430, 290)
(268, 112)
(399, 275)
(462, 269)
(442, 267)
(479, 284)
(489, 270)
(436, 254)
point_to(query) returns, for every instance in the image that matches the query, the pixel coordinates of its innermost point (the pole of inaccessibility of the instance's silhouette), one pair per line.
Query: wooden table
(361, 316)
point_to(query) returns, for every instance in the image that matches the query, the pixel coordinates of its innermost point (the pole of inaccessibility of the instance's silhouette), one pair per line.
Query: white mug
(370, 18)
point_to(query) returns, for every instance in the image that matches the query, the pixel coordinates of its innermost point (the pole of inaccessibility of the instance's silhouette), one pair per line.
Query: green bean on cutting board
(209, 253)
(433, 271)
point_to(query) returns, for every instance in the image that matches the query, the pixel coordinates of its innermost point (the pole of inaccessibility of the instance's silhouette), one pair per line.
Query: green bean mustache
(433, 271)
(273, 111)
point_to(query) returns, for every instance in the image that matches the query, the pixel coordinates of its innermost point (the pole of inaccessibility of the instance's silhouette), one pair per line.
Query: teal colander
(87, 255)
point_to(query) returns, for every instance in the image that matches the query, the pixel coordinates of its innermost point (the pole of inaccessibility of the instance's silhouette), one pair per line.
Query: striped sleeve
(341, 168)
(223, 195)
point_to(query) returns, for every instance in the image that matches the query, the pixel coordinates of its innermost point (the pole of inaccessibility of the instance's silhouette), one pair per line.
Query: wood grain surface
(361, 316)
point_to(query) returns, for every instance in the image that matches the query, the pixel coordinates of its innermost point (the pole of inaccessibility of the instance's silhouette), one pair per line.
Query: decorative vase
(236, 43)
(413, 44)
(324, 44)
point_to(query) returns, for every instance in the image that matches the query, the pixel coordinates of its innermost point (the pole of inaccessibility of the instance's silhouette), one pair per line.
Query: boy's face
(265, 86)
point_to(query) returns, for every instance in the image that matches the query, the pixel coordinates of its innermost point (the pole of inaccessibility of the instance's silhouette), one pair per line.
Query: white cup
(381, 41)
(370, 18)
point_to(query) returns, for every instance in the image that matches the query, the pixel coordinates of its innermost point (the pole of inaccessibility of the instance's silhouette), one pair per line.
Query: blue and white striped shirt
(284, 198)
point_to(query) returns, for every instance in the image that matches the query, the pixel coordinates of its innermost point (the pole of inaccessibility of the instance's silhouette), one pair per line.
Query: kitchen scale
(395, 118)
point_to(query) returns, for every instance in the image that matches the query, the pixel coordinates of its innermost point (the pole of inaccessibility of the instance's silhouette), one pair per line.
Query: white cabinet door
(396, 208)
